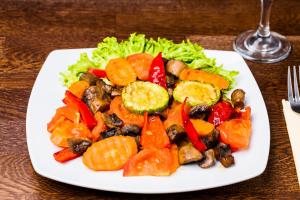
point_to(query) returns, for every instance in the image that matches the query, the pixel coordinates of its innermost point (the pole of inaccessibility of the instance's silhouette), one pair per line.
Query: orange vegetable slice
(203, 76)
(203, 127)
(100, 127)
(110, 154)
(77, 88)
(120, 72)
(141, 63)
(175, 160)
(117, 107)
(153, 134)
(150, 162)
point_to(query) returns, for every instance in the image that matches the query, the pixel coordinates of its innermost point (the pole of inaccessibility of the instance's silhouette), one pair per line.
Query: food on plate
(149, 106)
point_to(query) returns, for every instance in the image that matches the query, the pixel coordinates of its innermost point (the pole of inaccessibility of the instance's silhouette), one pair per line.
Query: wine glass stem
(264, 24)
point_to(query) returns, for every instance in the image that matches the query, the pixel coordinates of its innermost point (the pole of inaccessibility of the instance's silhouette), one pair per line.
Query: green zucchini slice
(198, 93)
(140, 97)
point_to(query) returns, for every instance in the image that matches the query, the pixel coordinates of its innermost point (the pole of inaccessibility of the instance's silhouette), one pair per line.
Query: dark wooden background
(30, 30)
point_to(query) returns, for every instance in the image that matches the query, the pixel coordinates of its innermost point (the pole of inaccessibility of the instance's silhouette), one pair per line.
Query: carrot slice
(110, 154)
(149, 162)
(100, 127)
(141, 63)
(78, 88)
(175, 160)
(200, 75)
(120, 72)
(153, 134)
(117, 107)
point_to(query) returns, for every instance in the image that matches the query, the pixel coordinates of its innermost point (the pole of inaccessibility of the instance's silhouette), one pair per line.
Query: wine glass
(263, 45)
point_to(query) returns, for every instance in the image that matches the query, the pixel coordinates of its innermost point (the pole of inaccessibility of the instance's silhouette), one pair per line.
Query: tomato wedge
(153, 133)
(237, 132)
(141, 63)
(150, 162)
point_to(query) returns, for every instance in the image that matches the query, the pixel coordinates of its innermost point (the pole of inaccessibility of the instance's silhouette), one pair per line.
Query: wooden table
(30, 30)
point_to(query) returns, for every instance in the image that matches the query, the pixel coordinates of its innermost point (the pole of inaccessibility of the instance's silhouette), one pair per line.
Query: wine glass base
(252, 46)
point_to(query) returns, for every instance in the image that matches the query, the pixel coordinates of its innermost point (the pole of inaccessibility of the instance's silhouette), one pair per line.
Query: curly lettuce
(190, 53)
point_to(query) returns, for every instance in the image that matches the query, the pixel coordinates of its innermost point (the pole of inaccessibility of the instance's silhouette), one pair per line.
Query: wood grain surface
(29, 30)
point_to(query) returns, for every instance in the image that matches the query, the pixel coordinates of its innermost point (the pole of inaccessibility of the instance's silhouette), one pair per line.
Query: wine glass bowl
(263, 45)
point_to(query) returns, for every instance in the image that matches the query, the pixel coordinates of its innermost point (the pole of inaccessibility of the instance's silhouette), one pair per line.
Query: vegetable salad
(149, 106)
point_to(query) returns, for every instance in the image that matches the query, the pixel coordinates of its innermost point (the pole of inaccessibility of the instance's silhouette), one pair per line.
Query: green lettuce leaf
(192, 54)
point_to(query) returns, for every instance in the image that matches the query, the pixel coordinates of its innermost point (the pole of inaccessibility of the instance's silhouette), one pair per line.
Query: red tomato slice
(236, 133)
(150, 162)
(153, 133)
(141, 63)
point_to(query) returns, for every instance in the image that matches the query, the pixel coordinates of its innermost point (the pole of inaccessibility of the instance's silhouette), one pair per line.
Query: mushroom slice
(88, 77)
(103, 86)
(211, 140)
(222, 150)
(227, 160)
(116, 92)
(209, 159)
(176, 133)
(78, 145)
(238, 98)
(96, 99)
(175, 67)
(111, 132)
(112, 120)
(199, 111)
(131, 130)
(188, 153)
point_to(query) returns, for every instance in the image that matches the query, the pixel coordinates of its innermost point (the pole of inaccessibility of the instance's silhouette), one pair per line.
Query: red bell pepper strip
(157, 72)
(64, 155)
(97, 72)
(87, 116)
(190, 130)
(221, 112)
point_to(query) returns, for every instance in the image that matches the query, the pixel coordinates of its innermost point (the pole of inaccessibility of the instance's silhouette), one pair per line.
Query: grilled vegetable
(176, 133)
(198, 93)
(110, 132)
(96, 99)
(199, 112)
(140, 97)
(126, 116)
(88, 77)
(110, 154)
(150, 162)
(78, 88)
(175, 67)
(100, 127)
(78, 146)
(153, 133)
(188, 153)
(112, 120)
(65, 155)
(220, 112)
(120, 72)
(202, 76)
(212, 139)
(209, 159)
(131, 130)
(157, 72)
(227, 161)
(141, 63)
(238, 98)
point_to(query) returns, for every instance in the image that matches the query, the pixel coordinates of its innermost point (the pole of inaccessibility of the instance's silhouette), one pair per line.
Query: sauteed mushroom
(96, 99)
(238, 98)
(88, 77)
(175, 67)
(112, 120)
(209, 159)
(227, 161)
(176, 133)
(212, 139)
(188, 153)
(78, 145)
(199, 111)
(131, 130)
(111, 132)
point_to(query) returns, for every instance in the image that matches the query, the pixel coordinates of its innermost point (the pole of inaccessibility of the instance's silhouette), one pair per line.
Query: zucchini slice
(198, 93)
(140, 97)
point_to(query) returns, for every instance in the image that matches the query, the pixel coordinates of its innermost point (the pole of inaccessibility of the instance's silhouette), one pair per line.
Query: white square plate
(48, 92)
